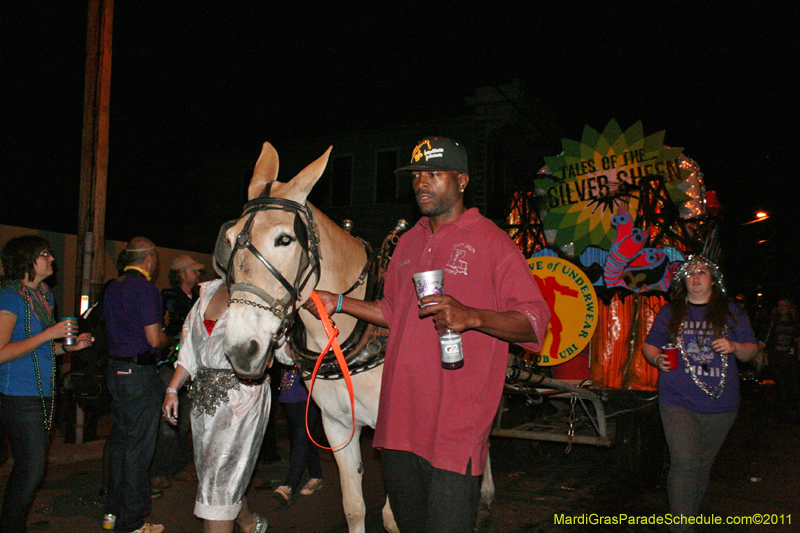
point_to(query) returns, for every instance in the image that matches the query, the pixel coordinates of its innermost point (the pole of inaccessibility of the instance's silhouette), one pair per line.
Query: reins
(333, 342)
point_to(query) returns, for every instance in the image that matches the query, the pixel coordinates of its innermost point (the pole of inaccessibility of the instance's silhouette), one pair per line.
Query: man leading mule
(433, 424)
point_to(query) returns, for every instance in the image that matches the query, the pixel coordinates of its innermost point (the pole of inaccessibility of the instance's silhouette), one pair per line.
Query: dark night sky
(193, 80)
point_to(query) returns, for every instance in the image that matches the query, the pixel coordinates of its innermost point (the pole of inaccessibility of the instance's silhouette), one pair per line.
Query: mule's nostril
(252, 349)
(242, 354)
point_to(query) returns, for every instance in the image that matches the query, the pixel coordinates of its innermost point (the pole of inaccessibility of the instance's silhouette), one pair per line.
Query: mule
(281, 237)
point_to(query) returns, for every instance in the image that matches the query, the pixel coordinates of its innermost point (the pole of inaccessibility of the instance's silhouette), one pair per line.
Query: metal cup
(72, 338)
(427, 283)
(671, 351)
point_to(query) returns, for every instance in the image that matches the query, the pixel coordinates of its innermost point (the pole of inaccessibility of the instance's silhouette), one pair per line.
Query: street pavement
(69, 499)
(757, 471)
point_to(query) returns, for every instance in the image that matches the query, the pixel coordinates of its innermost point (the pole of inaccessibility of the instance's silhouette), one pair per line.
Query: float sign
(573, 308)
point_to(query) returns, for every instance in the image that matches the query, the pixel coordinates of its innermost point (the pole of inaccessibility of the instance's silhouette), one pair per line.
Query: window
(386, 182)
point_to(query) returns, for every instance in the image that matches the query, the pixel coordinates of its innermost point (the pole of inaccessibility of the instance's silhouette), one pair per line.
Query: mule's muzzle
(249, 360)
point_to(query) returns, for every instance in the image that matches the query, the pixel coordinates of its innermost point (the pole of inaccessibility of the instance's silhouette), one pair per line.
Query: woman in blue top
(698, 401)
(28, 349)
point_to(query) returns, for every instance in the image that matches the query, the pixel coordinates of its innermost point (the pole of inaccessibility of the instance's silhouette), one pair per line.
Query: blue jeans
(425, 499)
(136, 396)
(22, 421)
(304, 452)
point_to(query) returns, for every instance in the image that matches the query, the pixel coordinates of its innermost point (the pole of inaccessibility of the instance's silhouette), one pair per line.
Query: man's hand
(447, 312)
(510, 326)
(369, 311)
(329, 300)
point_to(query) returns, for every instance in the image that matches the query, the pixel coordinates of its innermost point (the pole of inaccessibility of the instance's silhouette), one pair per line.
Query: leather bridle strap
(364, 271)
(333, 341)
(309, 259)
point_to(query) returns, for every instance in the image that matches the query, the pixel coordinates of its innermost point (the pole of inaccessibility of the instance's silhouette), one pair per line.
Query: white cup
(427, 283)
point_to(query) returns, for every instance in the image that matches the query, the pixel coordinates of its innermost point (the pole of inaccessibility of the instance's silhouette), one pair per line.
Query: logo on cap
(419, 153)
(437, 153)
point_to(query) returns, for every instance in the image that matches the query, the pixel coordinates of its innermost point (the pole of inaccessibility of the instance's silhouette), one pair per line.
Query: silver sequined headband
(691, 263)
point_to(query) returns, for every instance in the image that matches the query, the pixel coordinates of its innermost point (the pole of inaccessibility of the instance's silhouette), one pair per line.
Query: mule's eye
(284, 240)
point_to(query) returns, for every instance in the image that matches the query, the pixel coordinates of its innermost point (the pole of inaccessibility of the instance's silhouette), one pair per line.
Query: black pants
(425, 499)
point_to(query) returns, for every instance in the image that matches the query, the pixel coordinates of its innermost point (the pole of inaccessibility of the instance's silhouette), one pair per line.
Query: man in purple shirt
(433, 423)
(135, 337)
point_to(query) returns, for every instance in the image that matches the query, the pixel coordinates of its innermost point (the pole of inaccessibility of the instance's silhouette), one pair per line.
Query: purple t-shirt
(781, 345)
(131, 303)
(677, 387)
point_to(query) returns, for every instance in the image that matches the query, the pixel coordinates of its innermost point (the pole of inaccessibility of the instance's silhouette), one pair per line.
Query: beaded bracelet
(339, 304)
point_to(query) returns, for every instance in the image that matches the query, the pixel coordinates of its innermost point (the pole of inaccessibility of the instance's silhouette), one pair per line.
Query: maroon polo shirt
(445, 415)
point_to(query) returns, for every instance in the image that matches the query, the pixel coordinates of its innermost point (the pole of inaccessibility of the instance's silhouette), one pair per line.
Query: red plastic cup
(671, 351)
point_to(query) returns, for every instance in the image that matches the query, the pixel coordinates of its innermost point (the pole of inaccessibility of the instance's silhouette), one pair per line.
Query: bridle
(307, 237)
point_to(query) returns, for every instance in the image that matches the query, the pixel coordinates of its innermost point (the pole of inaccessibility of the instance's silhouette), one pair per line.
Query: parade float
(604, 225)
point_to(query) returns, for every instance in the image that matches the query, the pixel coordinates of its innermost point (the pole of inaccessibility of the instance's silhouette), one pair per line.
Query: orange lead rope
(333, 341)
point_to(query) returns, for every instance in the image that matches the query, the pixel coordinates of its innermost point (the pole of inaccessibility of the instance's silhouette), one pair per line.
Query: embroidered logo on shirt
(457, 263)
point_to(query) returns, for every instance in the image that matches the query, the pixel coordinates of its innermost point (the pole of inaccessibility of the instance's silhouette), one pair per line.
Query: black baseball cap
(437, 153)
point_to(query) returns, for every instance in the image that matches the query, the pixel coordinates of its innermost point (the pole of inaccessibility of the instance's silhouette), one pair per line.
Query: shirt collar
(142, 271)
(467, 218)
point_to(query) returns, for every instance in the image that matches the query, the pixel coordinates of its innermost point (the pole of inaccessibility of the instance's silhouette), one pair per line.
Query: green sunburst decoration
(581, 189)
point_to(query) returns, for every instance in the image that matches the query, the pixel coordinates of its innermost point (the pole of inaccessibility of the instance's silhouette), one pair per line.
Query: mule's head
(272, 261)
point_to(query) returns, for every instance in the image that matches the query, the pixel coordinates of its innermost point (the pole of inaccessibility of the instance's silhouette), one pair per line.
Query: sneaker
(283, 494)
(108, 521)
(261, 524)
(150, 528)
(314, 484)
(160, 483)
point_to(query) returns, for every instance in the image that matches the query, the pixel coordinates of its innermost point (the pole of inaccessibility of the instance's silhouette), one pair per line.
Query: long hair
(20, 254)
(717, 310)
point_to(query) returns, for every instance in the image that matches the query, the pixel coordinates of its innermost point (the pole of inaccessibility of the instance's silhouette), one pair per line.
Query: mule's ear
(307, 178)
(266, 170)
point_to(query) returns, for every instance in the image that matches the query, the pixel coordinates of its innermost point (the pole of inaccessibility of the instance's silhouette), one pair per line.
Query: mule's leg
(348, 459)
(388, 518)
(487, 494)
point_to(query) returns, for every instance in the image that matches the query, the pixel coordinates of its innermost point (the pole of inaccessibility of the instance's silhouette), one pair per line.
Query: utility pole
(90, 267)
